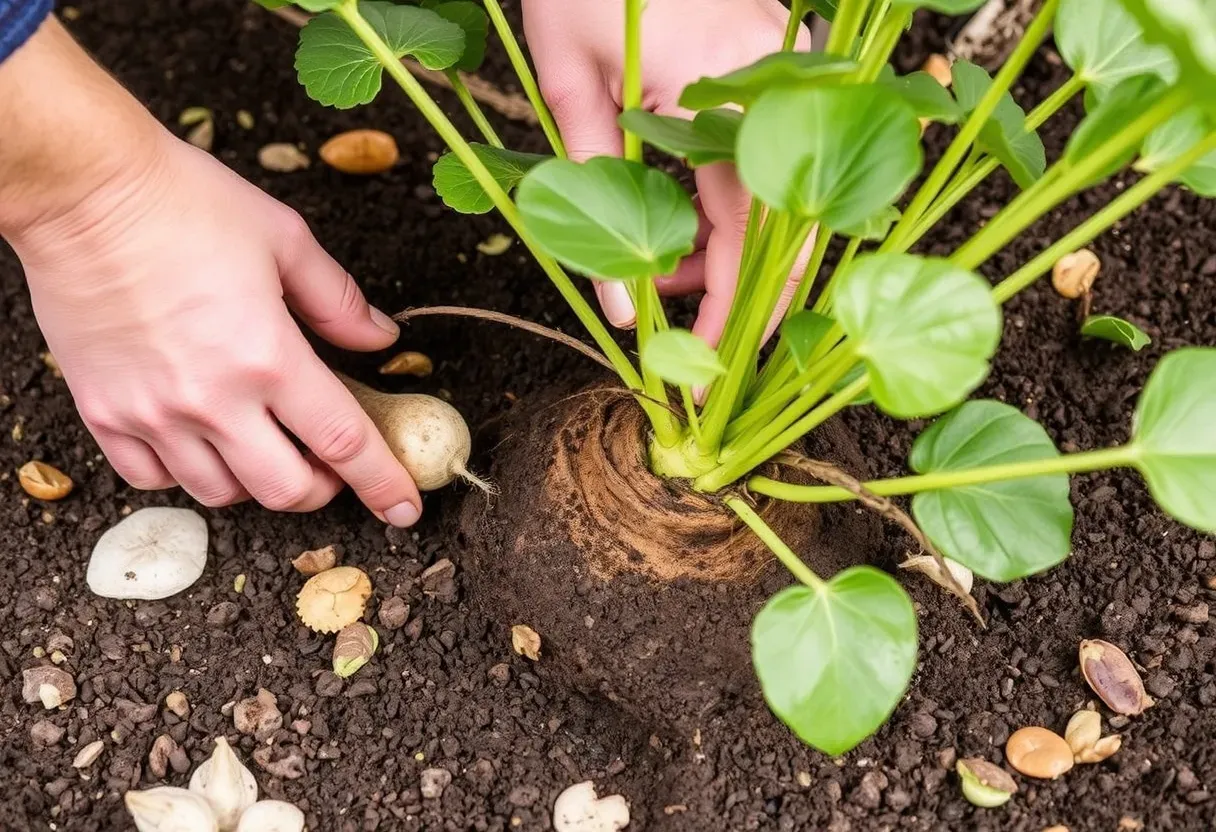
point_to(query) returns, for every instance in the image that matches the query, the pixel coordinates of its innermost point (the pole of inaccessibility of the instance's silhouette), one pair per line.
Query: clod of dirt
(407, 364)
(177, 704)
(226, 784)
(525, 641)
(45, 733)
(927, 566)
(44, 482)
(1073, 275)
(394, 612)
(361, 152)
(258, 715)
(1113, 677)
(88, 754)
(1101, 750)
(354, 647)
(1084, 729)
(47, 684)
(1037, 752)
(985, 784)
(938, 66)
(495, 245)
(577, 809)
(283, 157)
(163, 747)
(152, 554)
(170, 809)
(271, 816)
(334, 598)
(286, 763)
(316, 561)
(433, 781)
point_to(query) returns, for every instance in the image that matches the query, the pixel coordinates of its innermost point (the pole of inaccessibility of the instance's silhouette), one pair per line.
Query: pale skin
(165, 284)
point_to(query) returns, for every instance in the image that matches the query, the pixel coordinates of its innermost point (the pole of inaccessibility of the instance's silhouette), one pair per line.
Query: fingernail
(617, 305)
(385, 322)
(402, 515)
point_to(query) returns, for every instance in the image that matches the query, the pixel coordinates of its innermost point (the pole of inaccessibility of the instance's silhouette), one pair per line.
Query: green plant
(828, 144)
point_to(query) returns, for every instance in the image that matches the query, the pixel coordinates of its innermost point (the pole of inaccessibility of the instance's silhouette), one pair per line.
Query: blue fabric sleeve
(19, 19)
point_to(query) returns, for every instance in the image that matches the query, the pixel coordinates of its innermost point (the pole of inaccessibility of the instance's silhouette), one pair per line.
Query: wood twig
(829, 473)
(513, 106)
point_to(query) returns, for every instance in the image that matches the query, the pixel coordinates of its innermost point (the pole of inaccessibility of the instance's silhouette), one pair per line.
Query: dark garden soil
(446, 690)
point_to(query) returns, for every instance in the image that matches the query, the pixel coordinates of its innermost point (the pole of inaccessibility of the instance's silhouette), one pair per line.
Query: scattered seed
(57, 657)
(355, 645)
(1037, 752)
(245, 119)
(158, 758)
(1100, 750)
(177, 704)
(283, 157)
(202, 135)
(44, 482)
(1112, 676)
(495, 245)
(315, 561)
(407, 364)
(939, 67)
(1074, 274)
(238, 584)
(334, 598)
(804, 779)
(89, 754)
(985, 784)
(1084, 729)
(194, 115)
(525, 641)
(361, 152)
(70, 13)
(578, 809)
(47, 684)
(51, 364)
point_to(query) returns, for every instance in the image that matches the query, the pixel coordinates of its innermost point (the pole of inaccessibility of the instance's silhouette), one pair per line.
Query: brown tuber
(361, 152)
(1074, 274)
(333, 599)
(1112, 676)
(44, 482)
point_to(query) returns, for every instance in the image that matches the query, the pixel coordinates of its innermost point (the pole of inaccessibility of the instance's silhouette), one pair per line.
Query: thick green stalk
(814, 265)
(778, 546)
(666, 428)
(823, 303)
(797, 12)
(1080, 463)
(885, 41)
(474, 109)
(526, 79)
(877, 16)
(631, 83)
(849, 17)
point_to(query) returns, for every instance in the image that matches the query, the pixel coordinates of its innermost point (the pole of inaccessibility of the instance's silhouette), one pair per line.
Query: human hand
(579, 53)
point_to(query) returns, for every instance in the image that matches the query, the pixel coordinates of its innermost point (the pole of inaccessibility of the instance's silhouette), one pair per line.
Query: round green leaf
(924, 328)
(837, 154)
(608, 218)
(709, 137)
(833, 663)
(1187, 28)
(802, 332)
(1118, 108)
(1001, 530)
(782, 69)
(1004, 135)
(1103, 44)
(679, 357)
(1175, 137)
(472, 19)
(928, 98)
(460, 191)
(876, 227)
(1110, 328)
(1174, 436)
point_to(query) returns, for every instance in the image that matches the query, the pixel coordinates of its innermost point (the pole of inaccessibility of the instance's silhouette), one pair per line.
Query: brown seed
(355, 646)
(1037, 752)
(177, 704)
(44, 482)
(1084, 729)
(1074, 274)
(89, 754)
(283, 157)
(407, 364)
(525, 641)
(495, 245)
(52, 364)
(315, 561)
(1112, 676)
(985, 784)
(939, 67)
(202, 135)
(1101, 750)
(334, 598)
(361, 151)
(394, 612)
(158, 758)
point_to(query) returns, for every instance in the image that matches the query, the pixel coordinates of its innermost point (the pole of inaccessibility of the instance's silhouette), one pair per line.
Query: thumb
(327, 298)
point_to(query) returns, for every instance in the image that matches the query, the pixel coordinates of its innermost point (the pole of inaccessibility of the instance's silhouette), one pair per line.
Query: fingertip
(617, 305)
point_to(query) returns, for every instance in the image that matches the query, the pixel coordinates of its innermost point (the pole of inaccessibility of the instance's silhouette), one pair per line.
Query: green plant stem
(849, 17)
(961, 145)
(877, 16)
(797, 12)
(474, 109)
(1079, 463)
(755, 246)
(690, 409)
(784, 553)
(813, 266)
(666, 428)
(631, 82)
(885, 40)
(1052, 104)
(526, 79)
(823, 303)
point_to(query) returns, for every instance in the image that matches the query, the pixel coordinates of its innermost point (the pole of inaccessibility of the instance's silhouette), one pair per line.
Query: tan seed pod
(88, 755)
(202, 135)
(1037, 752)
(1084, 729)
(1074, 274)
(1101, 750)
(334, 598)
(525, 641)
(407, 364)
(245, 119)
(495, 245)
(361, 152)
(1112, 676)
(355, 646)
(985, 784)
(194, 115)
(315, 561)
(283, 157)
(939, 67)
(44, 482)
(177, 704)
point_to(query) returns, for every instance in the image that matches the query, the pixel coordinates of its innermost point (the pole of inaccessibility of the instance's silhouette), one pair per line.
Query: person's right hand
(165, 295)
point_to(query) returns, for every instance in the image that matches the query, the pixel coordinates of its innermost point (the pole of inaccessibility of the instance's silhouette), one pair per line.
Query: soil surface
(446, 691)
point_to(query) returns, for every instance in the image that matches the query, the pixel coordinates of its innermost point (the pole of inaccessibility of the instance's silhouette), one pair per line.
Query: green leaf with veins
(839, 154)
(924, 328)
(1118, 108)
(679, 357)
(1174, 436)
(1000, 530)
(608, 218)
(834, 662)
(943, 6)
(924, 94)
(782, 69)
(337, 69)
(472, 19)
(1110, 328)
(709, 137)
(461, 191)
(1175, 137)
(802, 332)
(1187, 28)
(876, 227)
(1004, 135)
(1103, 44)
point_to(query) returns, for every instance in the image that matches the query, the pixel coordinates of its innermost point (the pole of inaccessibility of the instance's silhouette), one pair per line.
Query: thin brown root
(407, 315)
(472, 479)
(826, 472)
(621, 392)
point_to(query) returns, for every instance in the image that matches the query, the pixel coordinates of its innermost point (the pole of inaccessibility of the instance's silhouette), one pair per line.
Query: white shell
(271, 816)
(226, 784)
(170, 809)
(154, 553)
(927, 565)
(577, 809)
